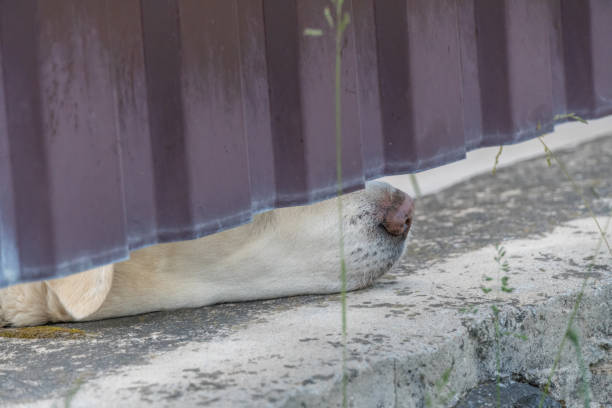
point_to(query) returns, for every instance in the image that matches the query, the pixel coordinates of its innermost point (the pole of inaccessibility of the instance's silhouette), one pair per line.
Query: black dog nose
(398, 215)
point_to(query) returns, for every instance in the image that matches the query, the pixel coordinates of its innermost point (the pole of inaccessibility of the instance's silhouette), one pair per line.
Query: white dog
(285, 252)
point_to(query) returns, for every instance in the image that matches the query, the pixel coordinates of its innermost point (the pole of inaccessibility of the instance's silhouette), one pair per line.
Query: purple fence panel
(125, 123)
(129, 81)
(601, 54)
(256, 104)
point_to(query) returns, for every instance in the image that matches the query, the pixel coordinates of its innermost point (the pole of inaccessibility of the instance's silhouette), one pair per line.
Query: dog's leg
(30, 304)
(74, 297)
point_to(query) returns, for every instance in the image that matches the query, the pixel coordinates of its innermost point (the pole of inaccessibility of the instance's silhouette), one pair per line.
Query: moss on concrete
(42, 332)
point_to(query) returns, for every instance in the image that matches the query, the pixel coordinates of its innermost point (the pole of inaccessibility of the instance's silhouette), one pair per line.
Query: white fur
(288, 251)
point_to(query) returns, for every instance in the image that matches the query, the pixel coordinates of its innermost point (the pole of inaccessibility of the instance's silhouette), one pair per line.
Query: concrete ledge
(428, 315)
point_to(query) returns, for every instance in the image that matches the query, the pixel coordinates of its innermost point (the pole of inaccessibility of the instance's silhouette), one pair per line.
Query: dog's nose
(398, 215)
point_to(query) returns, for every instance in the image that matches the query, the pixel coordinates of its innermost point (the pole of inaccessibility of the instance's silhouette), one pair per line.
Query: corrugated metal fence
(125, 123)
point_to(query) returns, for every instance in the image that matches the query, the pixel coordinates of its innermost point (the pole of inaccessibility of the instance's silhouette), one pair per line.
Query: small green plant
(77, 385)
(415, 185)
(442, 392)
(570, 334)
(550, 156)
(499, 152)
(503, 267)
(338, 19)
(497, 356)
(572, 116)
(574, 339)
(313, 32)
(473, 309)
(74, 389)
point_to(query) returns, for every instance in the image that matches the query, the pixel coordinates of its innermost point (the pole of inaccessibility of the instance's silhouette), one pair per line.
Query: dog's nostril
(398, 216)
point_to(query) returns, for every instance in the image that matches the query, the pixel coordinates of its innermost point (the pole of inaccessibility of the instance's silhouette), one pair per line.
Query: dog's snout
(398, 214)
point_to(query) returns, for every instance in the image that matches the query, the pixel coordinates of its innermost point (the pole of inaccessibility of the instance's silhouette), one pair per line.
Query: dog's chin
(369, 260)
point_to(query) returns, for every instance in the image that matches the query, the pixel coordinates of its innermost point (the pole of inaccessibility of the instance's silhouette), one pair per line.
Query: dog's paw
(24, 305)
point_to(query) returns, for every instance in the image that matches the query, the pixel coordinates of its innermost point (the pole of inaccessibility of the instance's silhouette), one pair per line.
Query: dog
(284, 252)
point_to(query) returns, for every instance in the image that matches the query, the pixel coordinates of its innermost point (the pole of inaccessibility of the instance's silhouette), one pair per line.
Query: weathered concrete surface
(428, 315)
